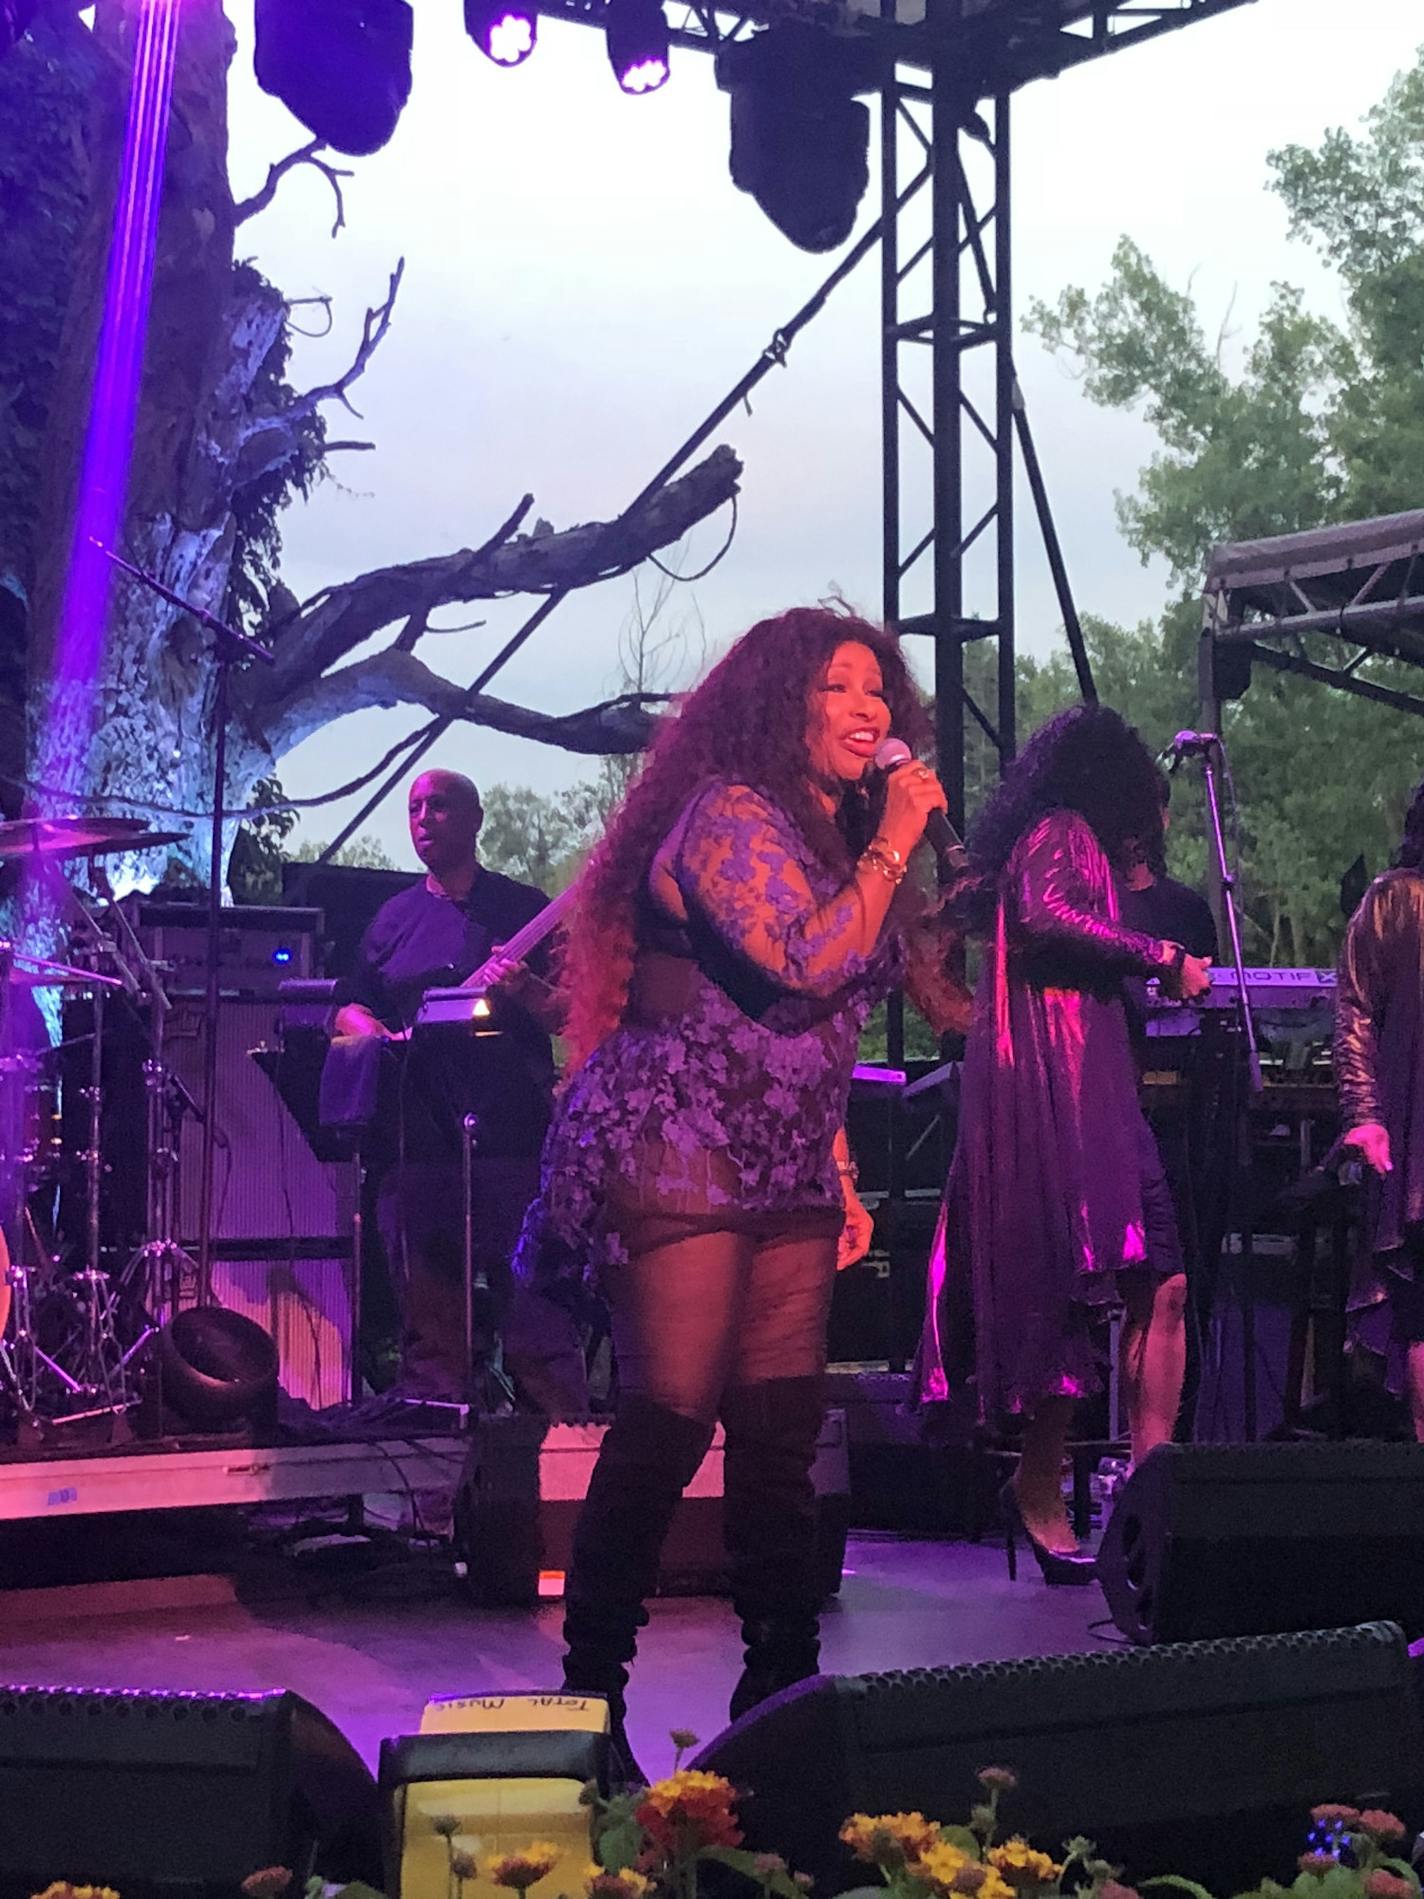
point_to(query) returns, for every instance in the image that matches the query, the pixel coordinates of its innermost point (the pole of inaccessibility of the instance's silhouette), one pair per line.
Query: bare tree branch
(396, 678)
(305, 155)
(373, 329)
(337, 448)
(418, 625)
(269, 437)
(335, 622)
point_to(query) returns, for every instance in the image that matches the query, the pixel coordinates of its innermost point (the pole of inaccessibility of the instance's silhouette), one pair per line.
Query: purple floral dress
(722, 1089)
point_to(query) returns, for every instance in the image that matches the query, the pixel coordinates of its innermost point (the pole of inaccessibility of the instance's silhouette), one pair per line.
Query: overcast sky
(583, 284)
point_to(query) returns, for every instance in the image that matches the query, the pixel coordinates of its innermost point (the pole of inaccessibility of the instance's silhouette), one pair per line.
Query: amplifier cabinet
(268, 1186)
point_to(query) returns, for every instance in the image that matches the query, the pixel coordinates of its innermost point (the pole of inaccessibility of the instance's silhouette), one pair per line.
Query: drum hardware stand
(23, 1363)
(160, 1272)
(229, 647)
(495, 1377)
(1209, 747)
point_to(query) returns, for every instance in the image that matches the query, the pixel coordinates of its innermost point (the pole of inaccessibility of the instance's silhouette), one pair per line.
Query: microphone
(944, 840)
(1187, 744)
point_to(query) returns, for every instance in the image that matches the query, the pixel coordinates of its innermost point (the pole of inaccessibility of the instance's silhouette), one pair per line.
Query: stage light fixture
(504, 32)
(800, 137)
(340, 66)
(638, 44)
(15, 17)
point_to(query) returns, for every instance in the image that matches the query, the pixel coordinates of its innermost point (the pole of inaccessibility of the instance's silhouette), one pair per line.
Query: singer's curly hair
(1410, 855)
(746, 723)
(1086, 759)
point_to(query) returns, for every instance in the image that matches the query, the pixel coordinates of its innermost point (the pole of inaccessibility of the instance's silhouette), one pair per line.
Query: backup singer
(431, 936)
(1379, 1072)
(1056, 1207)
(741, 917)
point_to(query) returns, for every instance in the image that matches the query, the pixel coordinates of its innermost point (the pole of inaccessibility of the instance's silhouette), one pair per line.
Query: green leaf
(619, 1843)
(961, 1838)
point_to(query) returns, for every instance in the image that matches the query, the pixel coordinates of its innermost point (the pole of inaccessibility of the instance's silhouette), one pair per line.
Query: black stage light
(341, 66)
(15, 17)
(800, 138)
(638, 44)
(504, 32)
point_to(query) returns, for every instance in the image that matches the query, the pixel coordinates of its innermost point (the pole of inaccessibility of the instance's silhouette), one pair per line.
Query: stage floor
(371, 1665)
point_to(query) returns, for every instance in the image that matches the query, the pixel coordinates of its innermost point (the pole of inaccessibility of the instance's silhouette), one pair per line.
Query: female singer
(1056, 1208)
(742, 915)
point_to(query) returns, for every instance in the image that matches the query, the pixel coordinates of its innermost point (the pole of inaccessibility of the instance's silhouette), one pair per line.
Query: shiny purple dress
(1056, 1185)
(721, 1091)
(1379, 1050)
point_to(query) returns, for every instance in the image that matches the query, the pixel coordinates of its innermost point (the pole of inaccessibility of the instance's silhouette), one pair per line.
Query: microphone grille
(892, 752)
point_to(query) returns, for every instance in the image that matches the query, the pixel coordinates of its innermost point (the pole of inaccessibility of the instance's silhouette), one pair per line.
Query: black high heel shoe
(1076, 1571)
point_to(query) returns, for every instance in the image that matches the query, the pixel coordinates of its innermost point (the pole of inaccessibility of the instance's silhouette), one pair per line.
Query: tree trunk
(149, 707)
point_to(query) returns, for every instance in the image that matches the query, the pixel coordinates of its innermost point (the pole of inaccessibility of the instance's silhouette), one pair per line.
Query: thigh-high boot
(649, 1456)
(770, 1511)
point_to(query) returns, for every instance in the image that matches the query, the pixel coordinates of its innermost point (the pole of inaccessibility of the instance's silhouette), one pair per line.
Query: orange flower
(1387, 1828)
(688, 1811)
(520, 1871)
(1333, 1815)
(270, 1883)
(1022, 1866)
(889, 1837)
(599, 1883)
(1382, 1885)
(1318, 1863)
(947, 1871)
(66, 1889)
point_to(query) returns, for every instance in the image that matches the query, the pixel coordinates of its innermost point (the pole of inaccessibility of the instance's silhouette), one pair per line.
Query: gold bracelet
(886, 859)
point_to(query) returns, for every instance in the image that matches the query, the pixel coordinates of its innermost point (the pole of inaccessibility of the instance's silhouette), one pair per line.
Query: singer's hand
(857, 1233)
(1371, 1141)
(911, 793)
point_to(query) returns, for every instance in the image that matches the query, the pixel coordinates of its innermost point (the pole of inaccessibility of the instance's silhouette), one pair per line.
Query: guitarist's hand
(514, 982)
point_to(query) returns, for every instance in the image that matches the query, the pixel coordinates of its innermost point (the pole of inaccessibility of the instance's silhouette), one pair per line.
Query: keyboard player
(433, 935)
(1379, 1073)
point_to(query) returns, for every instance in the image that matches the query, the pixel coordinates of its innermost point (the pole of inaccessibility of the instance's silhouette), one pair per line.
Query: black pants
(420, 1213)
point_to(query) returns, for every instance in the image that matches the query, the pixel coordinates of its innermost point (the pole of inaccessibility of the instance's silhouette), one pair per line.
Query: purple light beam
(113, 405)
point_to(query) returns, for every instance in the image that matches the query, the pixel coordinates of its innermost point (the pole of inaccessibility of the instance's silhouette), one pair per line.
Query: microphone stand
(229, 647)
(1210, 749)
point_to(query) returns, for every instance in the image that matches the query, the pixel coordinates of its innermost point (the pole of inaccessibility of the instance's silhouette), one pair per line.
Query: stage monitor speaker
(1201, 1759)
(177, 1793)
(1256, 1539)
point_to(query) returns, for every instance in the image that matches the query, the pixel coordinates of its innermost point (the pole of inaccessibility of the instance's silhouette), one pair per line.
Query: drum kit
(75, 1317)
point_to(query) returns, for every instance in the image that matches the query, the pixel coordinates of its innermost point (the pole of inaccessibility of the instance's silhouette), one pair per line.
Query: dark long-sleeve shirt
(423, 940)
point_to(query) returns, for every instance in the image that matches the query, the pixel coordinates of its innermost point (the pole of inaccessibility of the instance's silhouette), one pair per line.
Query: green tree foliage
(1317, 422)
(541, 840)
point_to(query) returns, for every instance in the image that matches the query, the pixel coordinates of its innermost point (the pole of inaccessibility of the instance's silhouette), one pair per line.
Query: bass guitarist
(434, 935)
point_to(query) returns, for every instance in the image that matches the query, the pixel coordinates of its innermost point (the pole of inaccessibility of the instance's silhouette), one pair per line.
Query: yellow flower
(889, 1836)
(66, 1889)
(1022, 1865)
(600, 1883)
(945, 1869)
(520, 1871)
(688, 1811)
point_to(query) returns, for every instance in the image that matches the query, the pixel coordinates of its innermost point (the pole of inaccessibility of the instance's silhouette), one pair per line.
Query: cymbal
(80, 837)
(37, 972)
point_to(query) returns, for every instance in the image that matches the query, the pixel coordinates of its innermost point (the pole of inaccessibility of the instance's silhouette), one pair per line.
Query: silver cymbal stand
(160, 1274)
(24, 1366)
